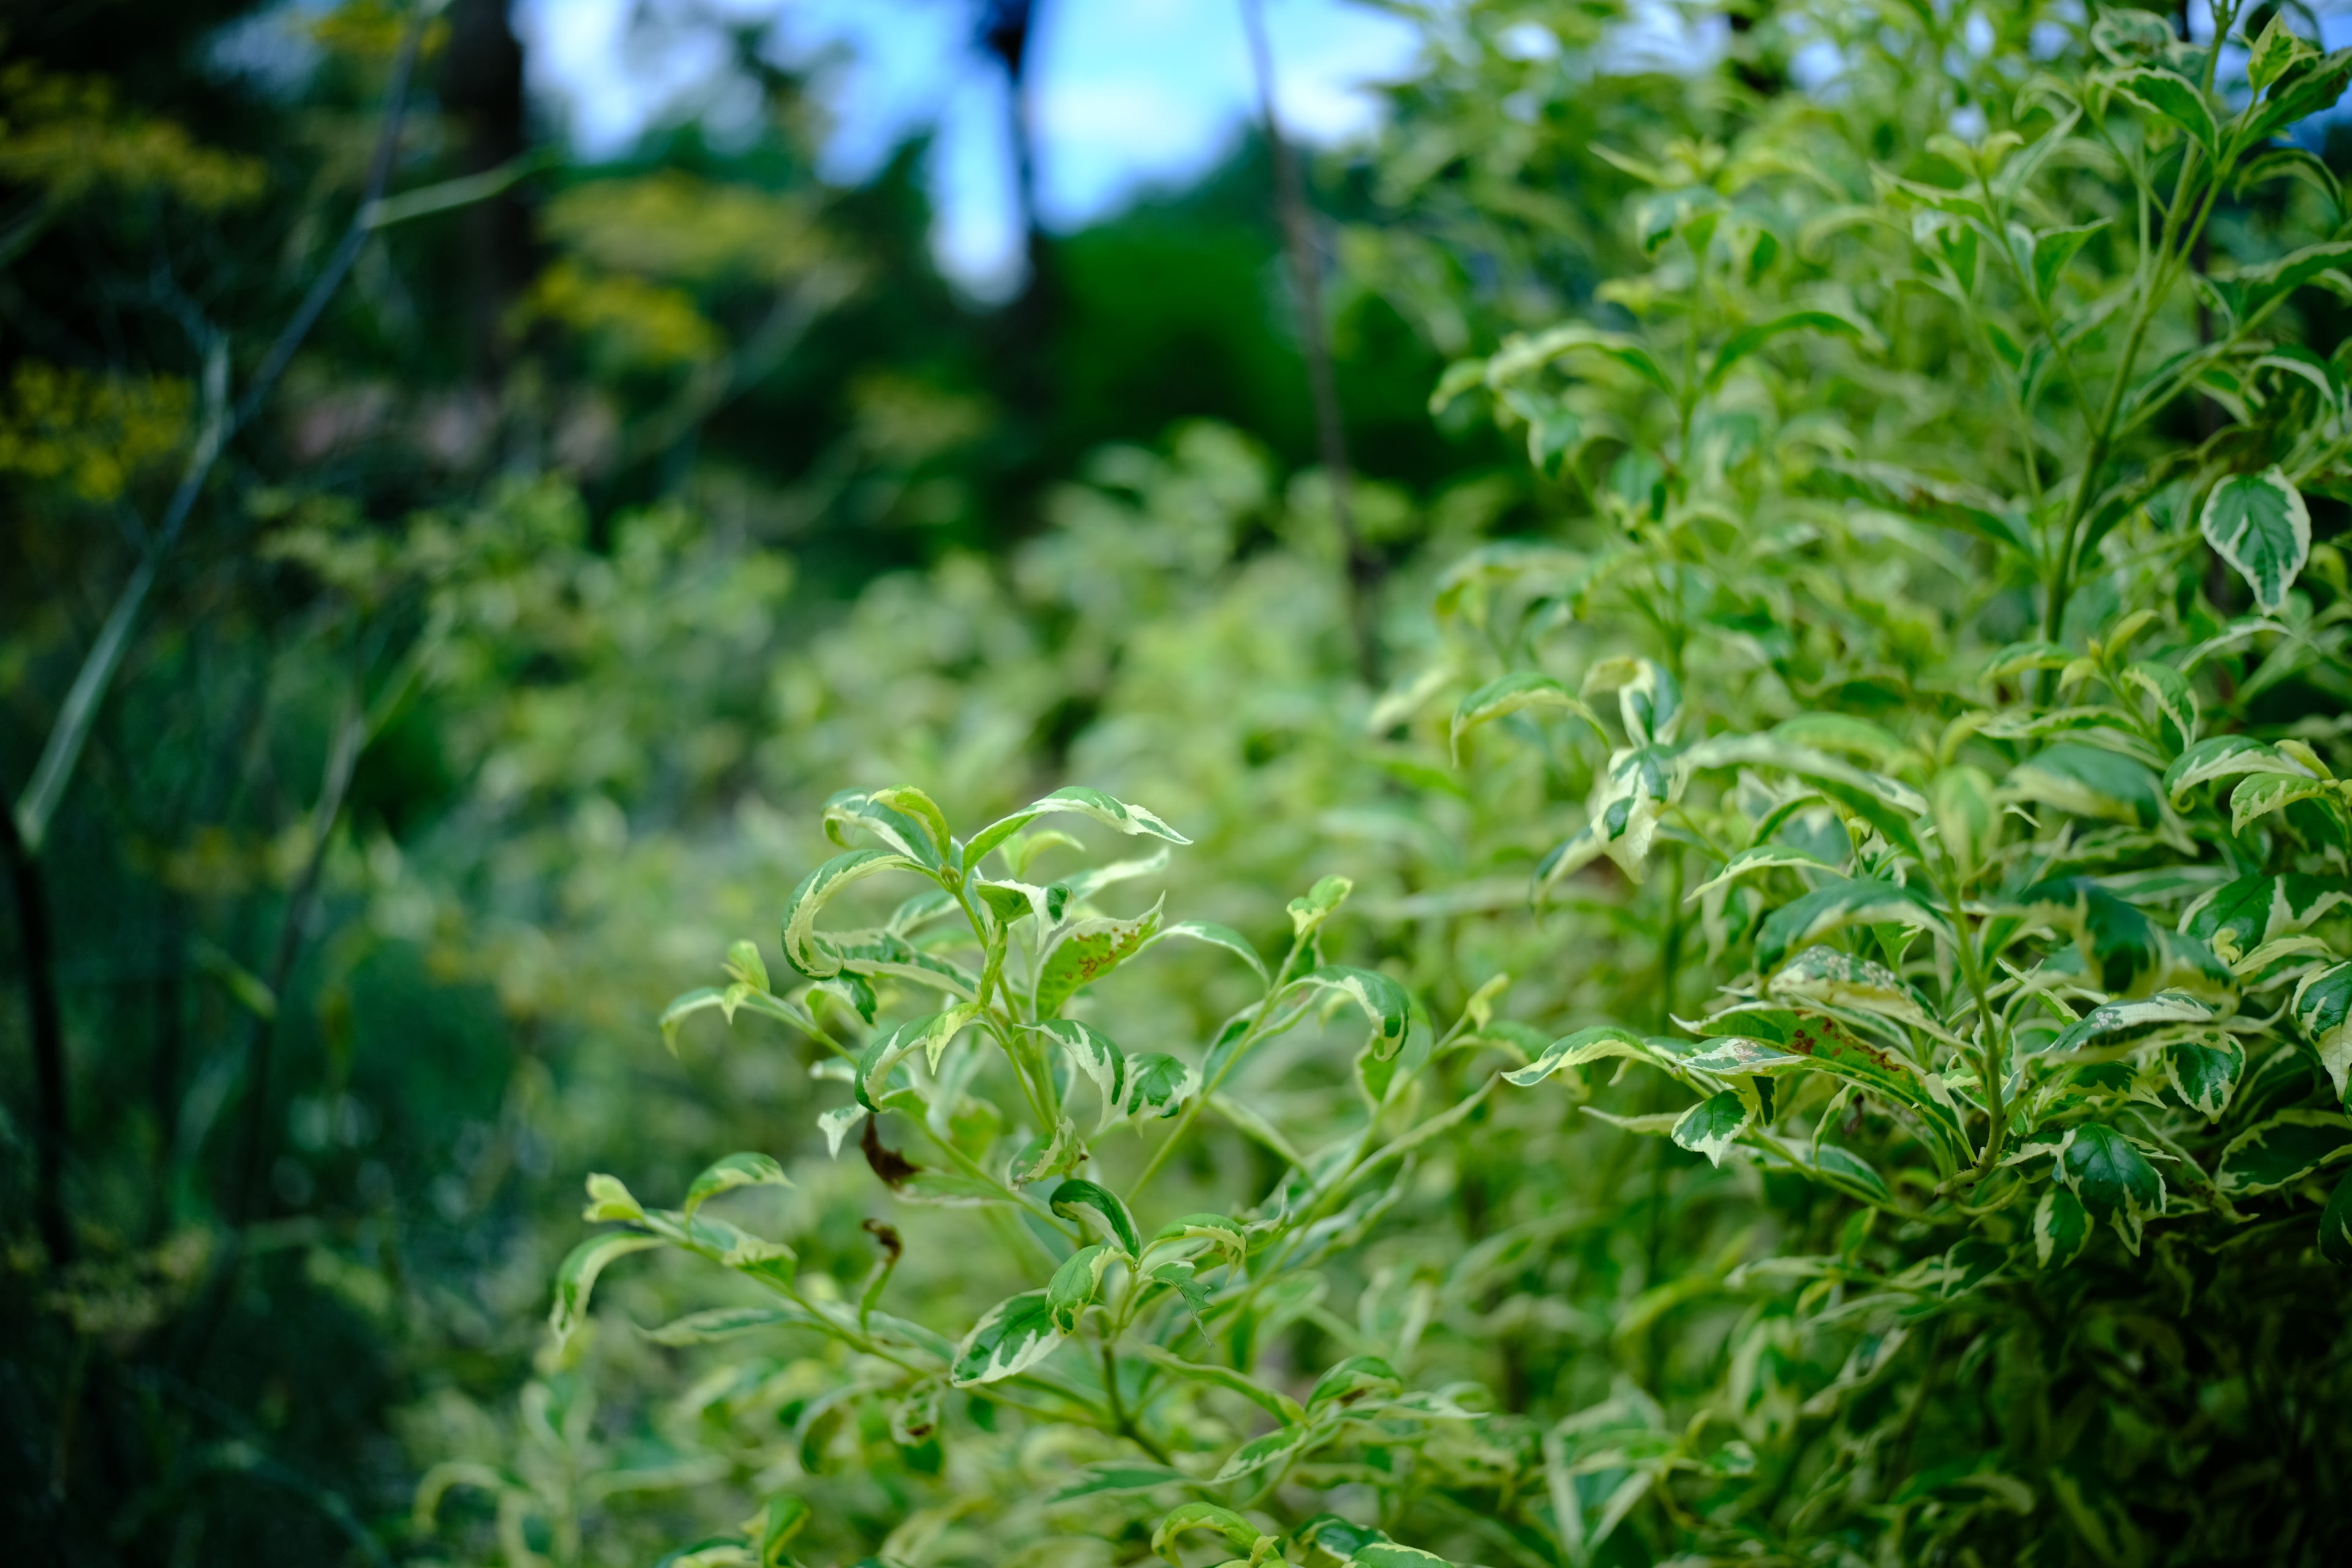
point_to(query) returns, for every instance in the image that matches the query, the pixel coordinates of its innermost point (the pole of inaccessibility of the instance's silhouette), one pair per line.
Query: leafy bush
(1911, 1136)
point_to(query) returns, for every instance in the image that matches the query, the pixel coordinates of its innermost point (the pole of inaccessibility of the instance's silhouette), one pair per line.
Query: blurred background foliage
(611, 516)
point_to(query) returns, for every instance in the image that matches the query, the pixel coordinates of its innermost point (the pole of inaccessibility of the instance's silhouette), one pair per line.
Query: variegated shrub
(1918, 1131)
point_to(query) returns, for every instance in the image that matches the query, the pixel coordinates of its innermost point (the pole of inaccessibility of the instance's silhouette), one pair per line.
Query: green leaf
(609, 1200)
(2258, 523)
(1584, 1046)
(735, 1171)
(1851, 1169)
(1281, 1444)
(1727, 1056)
(2289, 163)
(1357, 1378)
(2019, 657)
(1079, 1194)
(1516, 694)
(2283, 1151)
(778, 1522)
(1317, 904)
(2113, 1179)
(1886, 804)
(2205, 1072)
(1222, 1234)
(2126, 953)
(929, 1034)
(725, 1322)
(1863, 901)
(2125, 34)
(1157, 1081)
(1968, 822)
(2061, 1228)
(1075, 800)
(1711, 1126)
(1239, 1533)
(2174, 97)
(1390, 1554)
(2305, 87)
(1946, 501)
(2240, 916)
(1328, 1535)
(1458, 378)
(1071, 1288)
(1180, 1276)
(2088, 781)
(1116, 1477)
(905, 819)
(1216, 935)
(1649, 699)
(2052, 249)
(2322, 1011)
(805, 951)
(2274, 50)
(1013, 902)
(881, 954)
(835, 1125)
(1843, 733)
(2226, 757)
(2259, 795)
(2113, 1026)
(576, 1278)
(1763, 857)
(1773, 1041)
(1280, 1405)
(674, 1016)
(1623, 810)
(1094, 1054)
(1827, 978)
(2336, 1224)
(745, 964)
(1381, 1000)
(2174, 699)
(1012, 1337)
(1083, 951)
(1747, 339)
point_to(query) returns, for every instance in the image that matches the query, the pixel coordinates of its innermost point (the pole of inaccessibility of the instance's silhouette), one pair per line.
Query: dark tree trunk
(1006, 29)
(481, 90)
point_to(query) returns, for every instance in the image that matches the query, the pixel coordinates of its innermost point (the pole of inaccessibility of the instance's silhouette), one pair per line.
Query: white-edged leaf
(2282, 1151)
(744, 1170)
(1075, 800)
(1381, 1000)
(575, 1279)
(808, 953)
(2259, 524)
(1081, 951)
(1216, 935)
(2113, 1179)
(1009, 1338)
(1711, 1126)
(1515, 694)
(2323, 1010)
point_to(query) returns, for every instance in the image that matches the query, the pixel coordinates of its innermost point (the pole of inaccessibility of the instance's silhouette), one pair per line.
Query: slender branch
(1363, 569)
(342, 754)
(44, 1027)
(39, 802)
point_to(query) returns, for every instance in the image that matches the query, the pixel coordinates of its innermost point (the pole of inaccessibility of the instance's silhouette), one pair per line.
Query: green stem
(1120, 1418)
(2172, 247)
